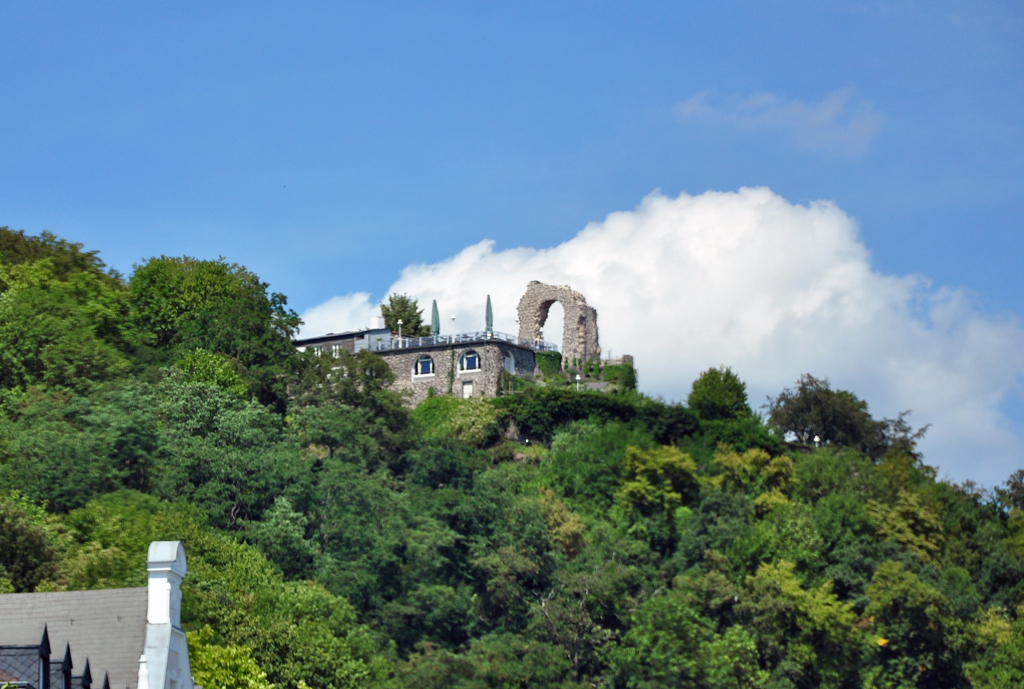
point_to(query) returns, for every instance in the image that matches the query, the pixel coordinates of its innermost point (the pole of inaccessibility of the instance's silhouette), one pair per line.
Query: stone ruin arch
(579, 339)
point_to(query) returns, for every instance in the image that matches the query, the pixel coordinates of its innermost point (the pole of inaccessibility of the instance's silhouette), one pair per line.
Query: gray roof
(107, 626)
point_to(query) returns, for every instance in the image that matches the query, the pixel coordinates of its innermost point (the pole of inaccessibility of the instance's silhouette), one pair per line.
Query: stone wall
(484, 380)
(580, 333)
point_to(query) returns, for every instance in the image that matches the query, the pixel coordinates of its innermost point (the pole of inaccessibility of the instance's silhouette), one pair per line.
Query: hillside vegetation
(546, 538)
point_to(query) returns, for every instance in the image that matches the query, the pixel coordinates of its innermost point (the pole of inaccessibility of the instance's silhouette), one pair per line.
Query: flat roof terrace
(381, 340)
(463, 339)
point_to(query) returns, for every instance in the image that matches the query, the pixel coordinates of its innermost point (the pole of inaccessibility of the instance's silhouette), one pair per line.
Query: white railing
(463, 338)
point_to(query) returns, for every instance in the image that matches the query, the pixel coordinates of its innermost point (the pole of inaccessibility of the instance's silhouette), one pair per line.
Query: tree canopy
(544, 538)
(719, 394)
(402, 307)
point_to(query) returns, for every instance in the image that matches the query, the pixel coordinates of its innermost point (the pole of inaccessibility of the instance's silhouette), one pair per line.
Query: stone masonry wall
(484, 380)
(580, 332)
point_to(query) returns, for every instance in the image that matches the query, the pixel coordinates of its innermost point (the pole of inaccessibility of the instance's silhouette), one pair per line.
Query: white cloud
(770, 288)
(339, 314)
(838, 124)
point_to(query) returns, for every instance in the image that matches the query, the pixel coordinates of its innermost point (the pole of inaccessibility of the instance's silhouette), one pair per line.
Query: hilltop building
(131, 638)
(473, 364)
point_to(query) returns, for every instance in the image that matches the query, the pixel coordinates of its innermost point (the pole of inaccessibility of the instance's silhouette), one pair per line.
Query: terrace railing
(464, 338)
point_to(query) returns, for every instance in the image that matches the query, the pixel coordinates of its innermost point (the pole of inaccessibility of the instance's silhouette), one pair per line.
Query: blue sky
(330, 146)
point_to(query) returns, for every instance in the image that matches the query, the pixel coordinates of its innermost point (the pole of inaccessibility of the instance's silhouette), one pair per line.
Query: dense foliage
(546, 538)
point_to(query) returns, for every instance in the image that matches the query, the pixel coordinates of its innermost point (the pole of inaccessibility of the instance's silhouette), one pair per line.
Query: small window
(424, 366)
(470, 362)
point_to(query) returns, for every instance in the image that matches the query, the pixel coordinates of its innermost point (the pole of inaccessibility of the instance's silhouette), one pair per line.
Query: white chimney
(166, 567)
(377, 323)
(165, 661)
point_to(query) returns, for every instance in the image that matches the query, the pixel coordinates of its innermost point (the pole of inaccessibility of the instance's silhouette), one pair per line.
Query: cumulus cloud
(772, 289)
(339, 314)
(838, 124)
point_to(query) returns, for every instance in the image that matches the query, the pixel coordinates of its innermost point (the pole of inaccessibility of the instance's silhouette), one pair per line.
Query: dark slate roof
(108, 627)
(21, 664)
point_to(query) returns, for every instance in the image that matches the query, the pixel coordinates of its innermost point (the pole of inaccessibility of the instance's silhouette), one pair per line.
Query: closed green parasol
(435, 321)
(490, 316)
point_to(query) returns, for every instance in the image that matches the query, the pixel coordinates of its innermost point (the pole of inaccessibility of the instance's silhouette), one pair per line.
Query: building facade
(476, 364)
(466, 365)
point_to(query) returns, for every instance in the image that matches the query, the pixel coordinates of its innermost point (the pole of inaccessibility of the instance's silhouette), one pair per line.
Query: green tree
(837, 417)
(229, 456)
(662, 647)
(586, 461)
(64, 449)
(359, 382)
(1002, 665)
(64, 258)
(29, 552)
(281, 535)
(361, 523)
(402, 307)
(201, 366)
(911, 524)
(571, 616)
(916, 637)
(658, 481)
(769, 480)
(336, 427)
(180, 305)
(670, 644)
(223, 667)
(804, 636)
(731, 661)
(719, 394)
(66, 333)
(508, 661)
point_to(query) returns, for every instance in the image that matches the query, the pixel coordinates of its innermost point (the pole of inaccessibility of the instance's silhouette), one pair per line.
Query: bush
(549, 363)
(472, 421)
(623, 375)
(540, 412)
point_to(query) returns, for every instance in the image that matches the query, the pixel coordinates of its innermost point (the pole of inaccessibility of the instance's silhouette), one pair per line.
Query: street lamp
(399, 333)
(577, 382)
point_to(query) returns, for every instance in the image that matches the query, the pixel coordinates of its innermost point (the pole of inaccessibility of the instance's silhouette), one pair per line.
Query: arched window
(470, 361)
(424, 366)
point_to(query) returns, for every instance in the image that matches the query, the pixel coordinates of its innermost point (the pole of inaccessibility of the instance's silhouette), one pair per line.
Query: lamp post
(577, 382)
(399, 333)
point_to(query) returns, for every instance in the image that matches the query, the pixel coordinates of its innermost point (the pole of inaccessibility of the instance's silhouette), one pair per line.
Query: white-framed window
(424, 366)
(470, 361)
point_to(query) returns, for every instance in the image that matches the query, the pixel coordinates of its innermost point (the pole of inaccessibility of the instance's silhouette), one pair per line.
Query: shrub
(623, 375)
(473, 421)
(549, 363)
